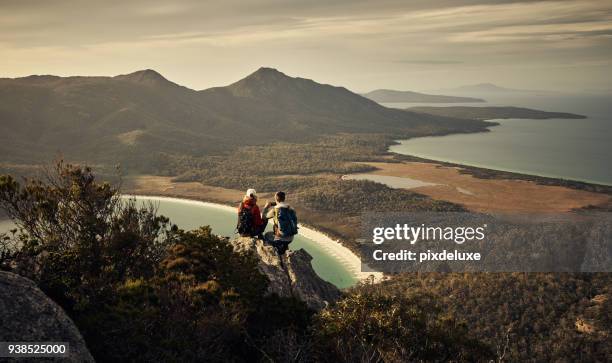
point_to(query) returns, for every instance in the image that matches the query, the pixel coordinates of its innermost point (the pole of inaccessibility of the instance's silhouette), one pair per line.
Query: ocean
(577, 149)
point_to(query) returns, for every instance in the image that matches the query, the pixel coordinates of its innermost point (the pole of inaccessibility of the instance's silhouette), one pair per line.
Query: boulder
(28, 315)
(291, 275)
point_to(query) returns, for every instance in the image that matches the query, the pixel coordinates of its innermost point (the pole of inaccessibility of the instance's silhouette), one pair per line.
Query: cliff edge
(291, 275)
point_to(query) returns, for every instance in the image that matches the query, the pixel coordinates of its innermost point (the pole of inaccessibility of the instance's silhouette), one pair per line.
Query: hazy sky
(363, 45)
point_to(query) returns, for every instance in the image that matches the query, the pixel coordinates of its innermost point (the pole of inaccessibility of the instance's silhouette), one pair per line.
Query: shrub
(138, 288)
(372, 326)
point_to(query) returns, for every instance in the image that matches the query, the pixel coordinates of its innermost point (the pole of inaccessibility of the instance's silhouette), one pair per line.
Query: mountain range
(392, 96)
(132, 118)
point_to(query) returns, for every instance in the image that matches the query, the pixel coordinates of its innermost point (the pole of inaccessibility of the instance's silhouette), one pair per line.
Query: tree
(78, 237)
(139, 288)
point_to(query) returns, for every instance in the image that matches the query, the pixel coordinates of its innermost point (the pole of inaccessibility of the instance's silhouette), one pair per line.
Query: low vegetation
(372, 324)
(142, 289)
(353, 197)
(240, 167)
(489, 113)
(139, 288)
(311, 173)
(524, 316)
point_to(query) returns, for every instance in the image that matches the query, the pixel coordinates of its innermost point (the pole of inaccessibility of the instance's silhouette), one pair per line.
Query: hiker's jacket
(251, 204)
(269, 214)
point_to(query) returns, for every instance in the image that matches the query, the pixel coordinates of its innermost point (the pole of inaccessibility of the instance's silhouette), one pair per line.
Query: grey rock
(291, 275)
(28, 315)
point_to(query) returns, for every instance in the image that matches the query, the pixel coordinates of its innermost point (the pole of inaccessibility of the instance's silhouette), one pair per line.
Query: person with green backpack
(285, 223)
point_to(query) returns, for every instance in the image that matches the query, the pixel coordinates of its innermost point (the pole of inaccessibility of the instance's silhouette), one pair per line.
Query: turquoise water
(571, 149)
(188, 215)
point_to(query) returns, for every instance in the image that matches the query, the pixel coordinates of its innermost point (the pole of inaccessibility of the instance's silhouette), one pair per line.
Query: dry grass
(490, 195)
(130, 137)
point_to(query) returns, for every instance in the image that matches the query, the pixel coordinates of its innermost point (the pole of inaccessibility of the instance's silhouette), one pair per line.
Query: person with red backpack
(285, 223)
(250, 223)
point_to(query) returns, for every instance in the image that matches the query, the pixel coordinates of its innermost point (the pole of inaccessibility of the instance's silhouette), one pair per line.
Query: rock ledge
(290, 276)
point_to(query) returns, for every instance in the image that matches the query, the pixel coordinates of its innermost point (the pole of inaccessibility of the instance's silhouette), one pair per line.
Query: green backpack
(286, 220)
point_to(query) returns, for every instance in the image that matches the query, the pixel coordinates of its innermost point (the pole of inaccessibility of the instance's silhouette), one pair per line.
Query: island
(490, 113)
(393, 96)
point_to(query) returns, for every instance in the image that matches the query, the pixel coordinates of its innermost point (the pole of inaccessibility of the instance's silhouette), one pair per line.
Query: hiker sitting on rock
(250, 223)
(285, 223)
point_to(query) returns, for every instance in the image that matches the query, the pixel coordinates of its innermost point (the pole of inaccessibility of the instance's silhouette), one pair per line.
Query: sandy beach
(332, 247)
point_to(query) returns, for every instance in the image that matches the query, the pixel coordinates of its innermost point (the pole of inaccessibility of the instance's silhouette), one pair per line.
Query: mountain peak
(267, 70)
(263, 82)
(145, 76)
(267, 73)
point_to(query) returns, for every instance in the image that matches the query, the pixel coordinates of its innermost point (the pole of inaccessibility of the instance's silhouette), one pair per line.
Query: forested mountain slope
(133, 118)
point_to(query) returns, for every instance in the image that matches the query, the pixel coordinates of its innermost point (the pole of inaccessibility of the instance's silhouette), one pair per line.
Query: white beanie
(251, 192)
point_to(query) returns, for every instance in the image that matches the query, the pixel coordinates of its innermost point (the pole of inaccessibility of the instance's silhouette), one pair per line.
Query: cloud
(435, 22)
(429, 61)
(340, 39)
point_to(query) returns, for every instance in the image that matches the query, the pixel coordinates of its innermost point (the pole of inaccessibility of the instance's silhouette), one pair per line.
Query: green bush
(351, 197)
(371, 325)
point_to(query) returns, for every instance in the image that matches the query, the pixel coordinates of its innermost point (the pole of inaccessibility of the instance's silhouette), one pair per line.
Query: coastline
(494, 113)
(487, 173)
(482, 172)
(333, 247)
(485, 195)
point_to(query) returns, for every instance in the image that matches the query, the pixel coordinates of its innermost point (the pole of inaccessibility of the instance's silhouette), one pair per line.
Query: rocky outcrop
(28, 315)
(290, 275)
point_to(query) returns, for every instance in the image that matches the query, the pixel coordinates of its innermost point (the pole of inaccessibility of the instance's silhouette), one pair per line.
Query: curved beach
(332, 247)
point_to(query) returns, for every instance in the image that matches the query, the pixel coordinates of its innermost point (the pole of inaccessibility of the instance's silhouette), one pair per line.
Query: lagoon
(330, 260)
(189, 214)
